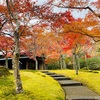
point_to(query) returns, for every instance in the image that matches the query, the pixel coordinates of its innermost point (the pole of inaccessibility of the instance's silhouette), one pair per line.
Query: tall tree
(76, 42)
(18, 14)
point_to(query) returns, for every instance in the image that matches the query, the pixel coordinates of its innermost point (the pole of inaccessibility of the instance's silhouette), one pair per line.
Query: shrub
(4, 71)
(90, 63)
(83, 64)
(69, 64)
(53, 65)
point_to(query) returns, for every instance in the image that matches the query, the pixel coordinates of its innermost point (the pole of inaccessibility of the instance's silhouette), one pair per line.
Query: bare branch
(5, 20)
(3, 33)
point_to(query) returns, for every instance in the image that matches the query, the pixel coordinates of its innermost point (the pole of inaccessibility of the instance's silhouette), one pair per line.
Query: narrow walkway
(74, 90)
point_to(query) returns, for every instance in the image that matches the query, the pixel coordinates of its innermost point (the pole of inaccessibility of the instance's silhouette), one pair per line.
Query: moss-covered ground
(36, 85)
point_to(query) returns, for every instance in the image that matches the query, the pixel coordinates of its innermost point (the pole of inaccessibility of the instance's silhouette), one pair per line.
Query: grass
(91, 78)
(36, 85)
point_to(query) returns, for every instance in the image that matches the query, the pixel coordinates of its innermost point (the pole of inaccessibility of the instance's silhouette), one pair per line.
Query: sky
(75, 13)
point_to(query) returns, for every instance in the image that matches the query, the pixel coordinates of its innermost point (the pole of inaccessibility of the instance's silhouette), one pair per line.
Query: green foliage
(4, 71)
(98, 50)
(90, 63)
(68, 60)
(36, 85)
(53, 65)
(69, 64)
(82, 63)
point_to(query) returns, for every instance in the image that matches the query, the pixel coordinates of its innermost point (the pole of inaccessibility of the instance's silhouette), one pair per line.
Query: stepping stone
(80, 93)
(69, 83)
(61, 78)
(57, 75)
(50, 73)
(44, 71)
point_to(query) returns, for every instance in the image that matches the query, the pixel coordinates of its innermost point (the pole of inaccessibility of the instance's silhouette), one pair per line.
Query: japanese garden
(49, 50)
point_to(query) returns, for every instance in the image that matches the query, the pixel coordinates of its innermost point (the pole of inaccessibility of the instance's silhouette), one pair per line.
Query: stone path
(74, 90)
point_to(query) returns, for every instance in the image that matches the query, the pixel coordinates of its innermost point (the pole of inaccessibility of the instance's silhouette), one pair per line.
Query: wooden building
(27, 63)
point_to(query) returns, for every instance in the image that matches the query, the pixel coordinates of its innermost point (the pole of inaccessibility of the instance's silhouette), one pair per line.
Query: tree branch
(3, 24)
(88, 8)
(3, 33)
(9, 10)
(95, 38)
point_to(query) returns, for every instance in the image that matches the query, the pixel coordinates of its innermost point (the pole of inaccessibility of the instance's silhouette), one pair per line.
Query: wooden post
(26, 63)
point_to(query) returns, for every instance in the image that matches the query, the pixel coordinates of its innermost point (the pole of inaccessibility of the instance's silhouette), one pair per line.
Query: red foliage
(6, 45)
(71, 39)
(87, 55)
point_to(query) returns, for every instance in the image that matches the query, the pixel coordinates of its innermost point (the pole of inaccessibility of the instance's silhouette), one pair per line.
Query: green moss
(37, 86)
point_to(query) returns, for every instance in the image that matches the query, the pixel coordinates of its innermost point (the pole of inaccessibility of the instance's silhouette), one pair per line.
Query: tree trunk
(74, 59)
(44, 67)
(36, 64)
(75, 62)
(16, 56)
(78, 62)
(62, 62)
(6, 62)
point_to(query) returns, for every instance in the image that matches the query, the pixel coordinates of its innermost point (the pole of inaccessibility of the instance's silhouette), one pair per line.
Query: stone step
(57, 75)
(44, 71)
(61, 78)
(80, 93)
(69, 83)
(50, 73)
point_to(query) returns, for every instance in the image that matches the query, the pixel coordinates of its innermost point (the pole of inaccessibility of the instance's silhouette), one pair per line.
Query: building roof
(11, 58)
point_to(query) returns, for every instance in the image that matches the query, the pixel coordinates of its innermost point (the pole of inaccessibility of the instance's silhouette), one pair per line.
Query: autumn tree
(77, 43)
(6, 47)
(33, 46)
(89, 26)
(41, 44)
(17, 14)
